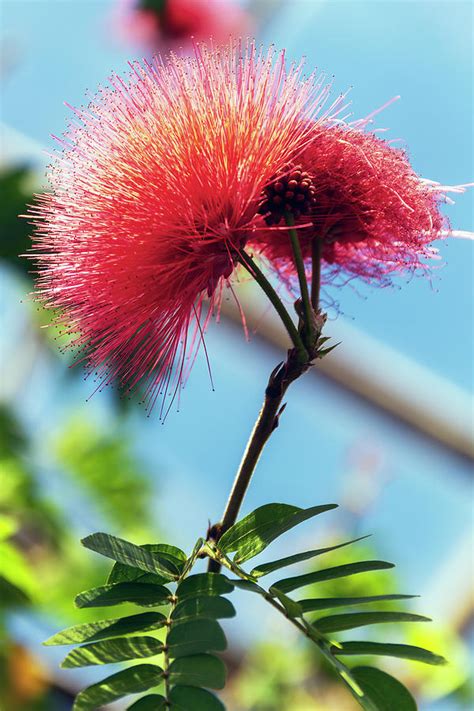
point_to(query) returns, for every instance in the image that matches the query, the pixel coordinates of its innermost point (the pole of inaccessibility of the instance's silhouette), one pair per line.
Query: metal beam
(380, 375)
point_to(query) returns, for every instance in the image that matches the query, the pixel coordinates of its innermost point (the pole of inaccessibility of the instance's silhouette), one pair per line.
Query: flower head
(154, 193)
(374, 215)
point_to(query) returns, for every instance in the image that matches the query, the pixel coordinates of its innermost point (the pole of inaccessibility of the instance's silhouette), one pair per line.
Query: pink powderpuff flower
(168, 24)
(374, 215)
(154, 193)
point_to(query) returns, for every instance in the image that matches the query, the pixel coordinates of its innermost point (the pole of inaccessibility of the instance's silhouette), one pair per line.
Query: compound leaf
(108, 595)
(324, 603)
(134, 556)
(198, 670)
(385, 692)
(339, 571)
(349, 621)
(266, 568)
(256, 531)
(208, 606)
(104, 629)
(128, 681)
(111, 651)
(402, 651)
(195, 637)
(185, 698)
(203, 584)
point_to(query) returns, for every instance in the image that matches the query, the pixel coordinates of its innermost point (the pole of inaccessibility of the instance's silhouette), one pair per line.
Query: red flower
(155, 192)
(374, 215)
(170, 23)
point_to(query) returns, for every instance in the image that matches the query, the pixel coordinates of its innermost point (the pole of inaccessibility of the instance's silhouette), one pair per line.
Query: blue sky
(420, 50)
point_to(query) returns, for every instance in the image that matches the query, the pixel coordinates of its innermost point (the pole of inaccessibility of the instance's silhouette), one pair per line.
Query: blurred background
(383, 427)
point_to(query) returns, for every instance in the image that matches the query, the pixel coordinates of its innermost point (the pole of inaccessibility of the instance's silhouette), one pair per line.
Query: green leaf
(339, 571)
(129, 554)
(104, 629)
(139, 593)
(185, 698)
(323, 603)
(173, 553)
(266, 568)
(203, 584)
(111, 651)
(257, 530)
(210, 607)
(385, 692)
(152, 702)
(403, 651)
(124, 573)
(349, 621)
(292, 608)
(247, 585)
(198, 670)
(128, 681)
(195, 637)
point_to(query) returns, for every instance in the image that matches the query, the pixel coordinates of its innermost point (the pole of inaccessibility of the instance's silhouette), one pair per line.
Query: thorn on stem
(277, 417)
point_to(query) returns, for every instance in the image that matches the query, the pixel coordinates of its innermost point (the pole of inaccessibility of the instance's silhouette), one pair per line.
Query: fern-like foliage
(179, 640)
(183, 634)
(374, 689)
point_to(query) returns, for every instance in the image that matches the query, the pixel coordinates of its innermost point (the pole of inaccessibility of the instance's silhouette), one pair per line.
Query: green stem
(279, 381)
(316, 254)
(166, 658)
(266, 423)
(247, 261)
(299, 264)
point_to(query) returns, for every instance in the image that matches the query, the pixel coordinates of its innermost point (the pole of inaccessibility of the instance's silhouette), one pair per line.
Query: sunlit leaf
(185, 698)
(129, 554)
(403, 651)
(385, 692)
(349, 621)
(123, 573)
(266, 568)
(108, 595)
(257, 530)
(128, 681)
(210, 607)
(198, 670)
(195, 637)
(104, 629)
(203, 584)
(339, 571)
(110, 651)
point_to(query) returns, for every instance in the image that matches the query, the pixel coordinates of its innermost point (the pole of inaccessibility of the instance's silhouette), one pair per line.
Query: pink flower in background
(153, 195)
(161, 24)
(374, 215)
